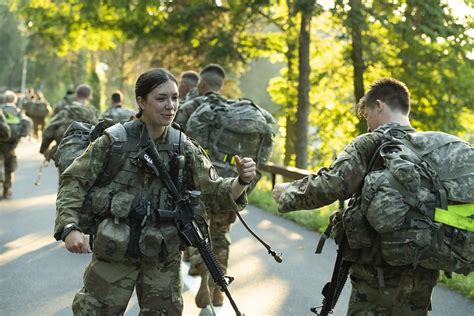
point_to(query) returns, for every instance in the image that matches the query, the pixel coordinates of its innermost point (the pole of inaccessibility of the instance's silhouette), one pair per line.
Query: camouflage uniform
(118, 114)
(59, 123)
(5, 131)
(67, 100)
(38, 111)
(185, 110)
(407, 291)
(155, 272)
(20, 126)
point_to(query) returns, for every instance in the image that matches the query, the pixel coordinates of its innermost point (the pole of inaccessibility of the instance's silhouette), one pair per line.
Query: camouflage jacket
(81, 175)
(118, 114)
(67, 100)
(185, 110)
(59, 123)
(341, 181)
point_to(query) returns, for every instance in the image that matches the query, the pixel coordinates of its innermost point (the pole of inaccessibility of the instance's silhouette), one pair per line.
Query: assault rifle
(184, 219)
(332, 290)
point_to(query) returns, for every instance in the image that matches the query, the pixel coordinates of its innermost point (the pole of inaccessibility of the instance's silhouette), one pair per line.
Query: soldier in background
(116, 112)
(80, 110)
(188, 82)
(37, 108)
(211, 80)
(20, 126)
(66, 100)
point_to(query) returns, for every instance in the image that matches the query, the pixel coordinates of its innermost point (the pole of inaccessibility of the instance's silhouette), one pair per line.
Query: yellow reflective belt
(458, 216)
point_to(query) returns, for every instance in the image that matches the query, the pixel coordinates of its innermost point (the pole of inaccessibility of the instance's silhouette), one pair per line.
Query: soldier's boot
(217, 297)
(7, 186)
(7, 193)
(202, 298)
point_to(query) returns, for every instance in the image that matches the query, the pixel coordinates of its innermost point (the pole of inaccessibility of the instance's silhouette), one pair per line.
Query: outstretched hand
(246, 167)
(278, 190)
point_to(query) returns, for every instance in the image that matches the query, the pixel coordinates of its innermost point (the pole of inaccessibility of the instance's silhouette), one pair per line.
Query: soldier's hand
(246, 167)
(77, 242)
(278, 190)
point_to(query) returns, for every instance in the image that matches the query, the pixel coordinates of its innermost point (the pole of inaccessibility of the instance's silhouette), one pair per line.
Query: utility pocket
(171, 240)
(99, 201)
(121, 204)
(112, 240)
(150, 243)
(358, 230)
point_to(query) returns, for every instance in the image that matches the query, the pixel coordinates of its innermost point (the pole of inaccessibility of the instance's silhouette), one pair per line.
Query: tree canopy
(351, 43)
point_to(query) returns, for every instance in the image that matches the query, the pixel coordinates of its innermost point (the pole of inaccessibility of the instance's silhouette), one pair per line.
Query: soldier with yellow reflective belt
(20, 126)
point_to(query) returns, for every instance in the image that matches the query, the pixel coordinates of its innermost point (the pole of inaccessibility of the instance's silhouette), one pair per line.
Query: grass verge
(318, 220)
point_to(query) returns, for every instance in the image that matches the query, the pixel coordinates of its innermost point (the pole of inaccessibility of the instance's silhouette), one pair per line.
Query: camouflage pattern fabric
(397, 201)
(5, 131)
(7, 151)
(109, 286)
(232, 127)
(186, 109)
(19, 124)
(37, 109)
(406, 292)
(59, 123)
(157, 276)
(67, 100)
(118, 114)
(341, 181)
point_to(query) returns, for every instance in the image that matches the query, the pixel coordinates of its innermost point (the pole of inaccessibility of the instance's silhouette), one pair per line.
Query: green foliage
(461, 283)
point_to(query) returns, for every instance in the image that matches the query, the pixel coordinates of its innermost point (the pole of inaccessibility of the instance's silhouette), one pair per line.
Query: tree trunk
(302, 111)
(356, 19)
(290, 119)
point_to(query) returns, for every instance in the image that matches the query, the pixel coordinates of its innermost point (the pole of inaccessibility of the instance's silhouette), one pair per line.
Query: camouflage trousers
(8, 162)
(407, 291)
(108, 287)
(219, 229)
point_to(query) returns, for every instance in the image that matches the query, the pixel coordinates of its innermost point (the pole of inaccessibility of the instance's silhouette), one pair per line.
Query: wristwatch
(69, 228)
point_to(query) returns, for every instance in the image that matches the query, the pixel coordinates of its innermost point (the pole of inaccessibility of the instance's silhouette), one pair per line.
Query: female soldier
(114, 187)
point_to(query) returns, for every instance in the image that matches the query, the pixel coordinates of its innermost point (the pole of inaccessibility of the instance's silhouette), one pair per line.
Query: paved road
(39, 277)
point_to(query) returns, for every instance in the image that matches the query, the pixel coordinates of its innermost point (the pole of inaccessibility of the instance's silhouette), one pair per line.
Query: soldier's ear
(140, 102)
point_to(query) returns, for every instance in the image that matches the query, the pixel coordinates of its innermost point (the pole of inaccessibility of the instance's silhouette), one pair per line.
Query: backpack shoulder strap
(117, 132)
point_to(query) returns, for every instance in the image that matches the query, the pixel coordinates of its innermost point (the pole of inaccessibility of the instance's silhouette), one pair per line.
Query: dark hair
(190, 76)
(391, 91)
(213, 68)
(83, 91)
(149, 80)
(117, 96)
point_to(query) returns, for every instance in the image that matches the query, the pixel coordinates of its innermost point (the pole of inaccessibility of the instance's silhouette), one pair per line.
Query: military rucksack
(75, 141)
(225, 128)
(418, 204)
(5, 131)
(37, 109)
(19, 125)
